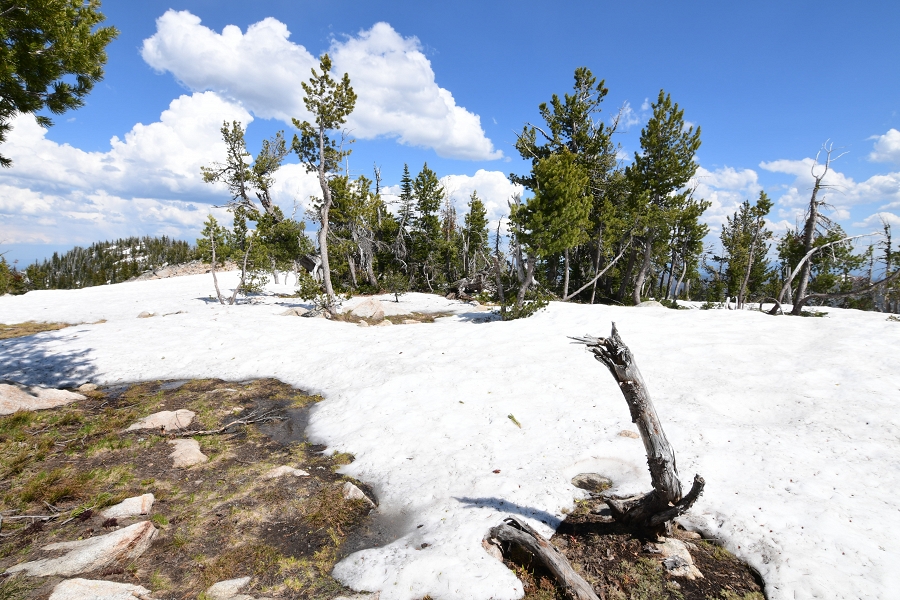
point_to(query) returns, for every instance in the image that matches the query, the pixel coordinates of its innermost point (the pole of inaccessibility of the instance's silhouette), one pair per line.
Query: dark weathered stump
(512, 532)
(658, 507)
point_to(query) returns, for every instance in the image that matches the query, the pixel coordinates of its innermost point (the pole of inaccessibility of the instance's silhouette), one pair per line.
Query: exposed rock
(88, 589)
(410, 322)
(363, 324)
(228, 590)
(167, 420)
(15, 396)
(130, 507)
(369, 309)
(187, 453)
(285, 470)
(384, 323)
(649, 304)
(677, 559)
(691, 535)
(351, 492)
(629, 434)
(146, 315)
(88, 387)
(122, 546)
(592, 482)
(294, 312)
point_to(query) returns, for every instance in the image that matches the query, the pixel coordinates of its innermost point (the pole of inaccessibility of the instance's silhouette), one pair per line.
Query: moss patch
(218, 520)
(28, 328)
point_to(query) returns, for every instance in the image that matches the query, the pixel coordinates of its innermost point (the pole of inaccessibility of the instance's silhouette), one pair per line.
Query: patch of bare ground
(217, 520)
(620, 564)
(15, 330)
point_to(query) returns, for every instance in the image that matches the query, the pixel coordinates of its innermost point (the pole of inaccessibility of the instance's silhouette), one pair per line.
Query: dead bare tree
(801, 301)
(656, 508)
(812, 217)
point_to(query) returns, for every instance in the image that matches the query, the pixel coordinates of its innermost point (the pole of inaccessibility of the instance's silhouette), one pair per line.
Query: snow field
(792, 421)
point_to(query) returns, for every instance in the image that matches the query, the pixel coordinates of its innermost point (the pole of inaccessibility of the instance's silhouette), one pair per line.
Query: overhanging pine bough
(658, 507)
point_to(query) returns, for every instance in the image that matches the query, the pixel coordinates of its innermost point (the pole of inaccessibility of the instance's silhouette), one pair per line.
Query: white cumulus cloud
(147, 183)
(887, 147)
(262, 69)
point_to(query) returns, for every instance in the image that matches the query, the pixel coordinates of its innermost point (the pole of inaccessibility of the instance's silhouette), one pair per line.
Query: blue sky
(449, 84)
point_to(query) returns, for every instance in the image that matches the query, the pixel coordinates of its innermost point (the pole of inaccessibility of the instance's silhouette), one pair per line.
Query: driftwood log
(666, 501)
(512, 532)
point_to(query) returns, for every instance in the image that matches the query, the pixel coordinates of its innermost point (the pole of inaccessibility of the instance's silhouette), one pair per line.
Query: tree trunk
(645, 268)
(743, 289)
(352, 264)
(513, 532)
(596, 268)
(665, 502)
(808, 234)
(529, 277)
(566, 274)
(323, 230)
(274, 270)
(626, 277)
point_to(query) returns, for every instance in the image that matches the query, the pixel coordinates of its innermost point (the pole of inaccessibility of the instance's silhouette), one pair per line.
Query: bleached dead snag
(665, 502)
(512, 532)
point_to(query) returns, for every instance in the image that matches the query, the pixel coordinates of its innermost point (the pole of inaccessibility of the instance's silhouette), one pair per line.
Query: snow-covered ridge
(792, 422)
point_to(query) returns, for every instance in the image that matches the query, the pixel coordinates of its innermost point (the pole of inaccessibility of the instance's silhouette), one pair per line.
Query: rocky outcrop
(16, 396)
(83, 556)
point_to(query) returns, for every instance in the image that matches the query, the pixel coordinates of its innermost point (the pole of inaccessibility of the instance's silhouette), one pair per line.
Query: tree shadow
(505, 506)
(32, 360)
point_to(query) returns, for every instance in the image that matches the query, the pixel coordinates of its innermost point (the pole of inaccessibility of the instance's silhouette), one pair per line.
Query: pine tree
(406, 210)
(52, 55)
(475, 236)
(657, 177)
(331, 103)
(428, 193)
(745, 241)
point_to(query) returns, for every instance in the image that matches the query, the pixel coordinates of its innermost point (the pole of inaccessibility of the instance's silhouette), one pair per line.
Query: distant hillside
(106, 262)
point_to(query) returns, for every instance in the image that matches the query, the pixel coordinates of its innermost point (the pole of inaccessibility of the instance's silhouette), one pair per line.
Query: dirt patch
(218, 520)
(620, 563)
(28, 328)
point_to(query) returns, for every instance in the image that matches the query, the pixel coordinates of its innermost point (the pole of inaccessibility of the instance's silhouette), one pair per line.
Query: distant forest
(99, 264)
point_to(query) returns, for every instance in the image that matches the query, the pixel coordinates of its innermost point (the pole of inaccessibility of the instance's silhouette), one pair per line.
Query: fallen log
(513, 532)
(658, 507)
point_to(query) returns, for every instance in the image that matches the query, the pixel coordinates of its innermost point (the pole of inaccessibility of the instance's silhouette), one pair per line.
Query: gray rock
(369, 309)
(592, 482)
(384, 323)
(88, 589)
(294, 312)
(351, 492)
(285, 470)
(145, 315)
(130, 507)
(15, 396)
(649, 304)
(121, 546)
(410, 322)
(677, 559)
(228, 590)
(88, 387)
(363, 324)
(186, 453)
(166, 419)
(629, 434)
